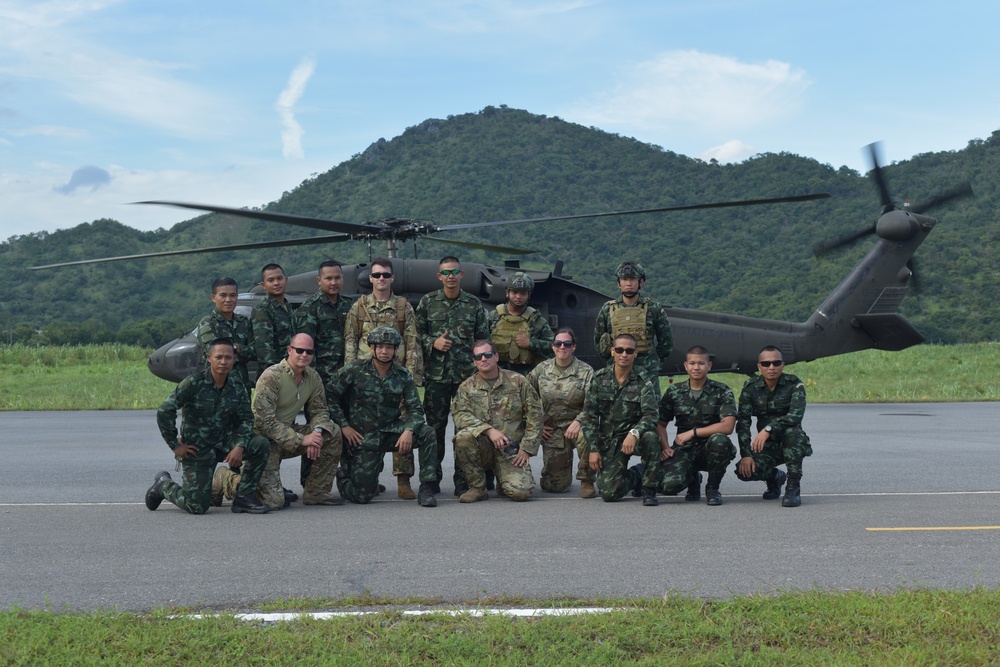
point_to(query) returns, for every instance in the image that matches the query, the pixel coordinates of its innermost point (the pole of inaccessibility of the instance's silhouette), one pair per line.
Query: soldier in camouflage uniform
(498, 419)
(217, 425)
(323, 317)
(562, 385)
(273, 320)
(642, 318)
(778, 401)
(520, 334)
(225, 322)
(704, 412)
(449, 321)
(619, 421)
(365, 400)
(282, 391)
(381, 308)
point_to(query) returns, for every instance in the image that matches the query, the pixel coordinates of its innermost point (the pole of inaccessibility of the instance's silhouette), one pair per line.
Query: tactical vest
(503, 335)
(367, 320)
(629, 320)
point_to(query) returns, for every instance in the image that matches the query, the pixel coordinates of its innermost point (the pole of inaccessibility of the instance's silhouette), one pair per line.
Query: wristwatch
(634, 433)
(768, 428)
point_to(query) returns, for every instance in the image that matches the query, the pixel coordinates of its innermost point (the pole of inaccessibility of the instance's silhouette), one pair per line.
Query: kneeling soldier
(375, 403)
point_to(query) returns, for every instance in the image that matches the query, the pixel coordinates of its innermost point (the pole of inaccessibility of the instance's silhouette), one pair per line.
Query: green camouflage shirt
(508, 403)
(361, 398)
(239, 330)
(278, 400)
(611, 410)
(273, 326)
(366, 314)
(715, 402)
(539, 333)
(213, 418)
(562, 390)
(659, 335)
(325, 321)
(464, 320)
(782, 408)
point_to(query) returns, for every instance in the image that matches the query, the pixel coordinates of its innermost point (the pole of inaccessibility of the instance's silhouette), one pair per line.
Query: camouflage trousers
(793, 447)
(194, 495)
(437, 405)
(611, 480)
(320, 478)
(711, 454)
(357, 479)
(475, 455)
(557, 462)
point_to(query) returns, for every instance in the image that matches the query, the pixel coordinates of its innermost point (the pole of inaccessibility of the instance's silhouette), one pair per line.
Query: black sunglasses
(768, 364)
(624, 350)
(483, 355)
(377, 275)
(563, 343)
(303, 350)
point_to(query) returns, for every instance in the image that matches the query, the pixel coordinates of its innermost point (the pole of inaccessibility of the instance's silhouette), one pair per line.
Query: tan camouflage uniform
(509, 404)
(562, 391)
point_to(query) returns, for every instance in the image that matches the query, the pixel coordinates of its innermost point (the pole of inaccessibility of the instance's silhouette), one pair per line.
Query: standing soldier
(520, 334)
(365, 400)
(273, 321)
(323, 316)
(449, 321)
(705, 414)
(640, 317)
(562, 385)
(619, 421)
(217, 426)
(225, 322)
(778, 401)
(498, 418)
(378, 309)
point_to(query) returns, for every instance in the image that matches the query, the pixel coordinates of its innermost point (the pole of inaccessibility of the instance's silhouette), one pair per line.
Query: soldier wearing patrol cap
(520, 333)
(639, 317)
(366, 400)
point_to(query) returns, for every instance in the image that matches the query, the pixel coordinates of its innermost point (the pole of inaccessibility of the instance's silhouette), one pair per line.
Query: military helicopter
(860, 313)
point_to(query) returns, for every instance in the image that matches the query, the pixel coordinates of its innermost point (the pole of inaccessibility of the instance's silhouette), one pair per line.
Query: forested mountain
(504, 163)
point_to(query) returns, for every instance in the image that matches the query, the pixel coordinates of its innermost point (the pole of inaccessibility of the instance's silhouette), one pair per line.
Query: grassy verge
(812, 628)
(114, 377)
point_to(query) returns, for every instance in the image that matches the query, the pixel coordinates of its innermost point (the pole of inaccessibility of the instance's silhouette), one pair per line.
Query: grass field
(114, 377)
(812, 628)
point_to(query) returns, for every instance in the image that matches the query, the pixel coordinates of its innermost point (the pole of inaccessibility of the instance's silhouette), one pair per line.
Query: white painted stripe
(476, 612)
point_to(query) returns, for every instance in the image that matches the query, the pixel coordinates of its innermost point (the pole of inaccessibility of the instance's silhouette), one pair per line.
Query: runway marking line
(936, 528)
(279, 617)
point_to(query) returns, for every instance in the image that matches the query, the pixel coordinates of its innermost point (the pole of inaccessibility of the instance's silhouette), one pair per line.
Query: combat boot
(154, 494)
(693, 494)
(712, 495)
(404, 489)
(792, 498)
(474, 494)
(587, 489)
(425, 495)
(217, 490)
(774, 482)
(249, 505)
(634, 478)
(490, 479)
(649, 497)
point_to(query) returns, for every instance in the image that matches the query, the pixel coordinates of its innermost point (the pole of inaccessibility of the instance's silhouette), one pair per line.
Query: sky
(106, 102)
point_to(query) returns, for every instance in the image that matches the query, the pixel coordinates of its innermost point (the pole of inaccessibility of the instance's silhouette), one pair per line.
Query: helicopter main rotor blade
(691, 207)
(963, 190)
(482, 246)
(284, 218)
(313, 240)
(824, 247)
(883, 187)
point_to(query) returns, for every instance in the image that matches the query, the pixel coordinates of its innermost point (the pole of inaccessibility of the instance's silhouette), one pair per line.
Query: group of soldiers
(511, 385)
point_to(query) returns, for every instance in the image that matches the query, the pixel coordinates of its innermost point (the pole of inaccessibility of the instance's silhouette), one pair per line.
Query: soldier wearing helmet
(637, 316)
(519, 332)
(375, 403)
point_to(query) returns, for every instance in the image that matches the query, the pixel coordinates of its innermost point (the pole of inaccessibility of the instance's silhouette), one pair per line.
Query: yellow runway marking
(942, 528)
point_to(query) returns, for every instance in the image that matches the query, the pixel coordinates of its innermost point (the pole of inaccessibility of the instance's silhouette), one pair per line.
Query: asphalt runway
(901, 495)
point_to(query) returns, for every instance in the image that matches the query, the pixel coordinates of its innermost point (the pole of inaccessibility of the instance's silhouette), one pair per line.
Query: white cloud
(52, 131)
(733, 150)
(291, 131)
(698, 90)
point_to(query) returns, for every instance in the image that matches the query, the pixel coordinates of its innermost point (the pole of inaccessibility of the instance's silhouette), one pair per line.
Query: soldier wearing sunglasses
(619, 420)
(778, 401)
